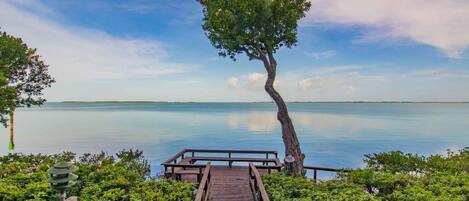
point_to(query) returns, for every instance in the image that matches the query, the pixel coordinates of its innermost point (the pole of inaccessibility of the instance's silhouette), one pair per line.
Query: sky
(156, 50)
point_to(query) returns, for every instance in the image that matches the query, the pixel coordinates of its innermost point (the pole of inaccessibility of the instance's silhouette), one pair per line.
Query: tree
(23, 76)
(7, 97)
(258, 28)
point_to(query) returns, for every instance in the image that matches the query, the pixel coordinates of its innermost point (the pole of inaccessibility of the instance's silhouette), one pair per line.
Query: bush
(283, 187)
(125, 176)
(392, 176)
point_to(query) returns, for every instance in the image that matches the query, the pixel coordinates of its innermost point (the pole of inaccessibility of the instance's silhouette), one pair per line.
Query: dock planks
(230, 184)
(223, 182)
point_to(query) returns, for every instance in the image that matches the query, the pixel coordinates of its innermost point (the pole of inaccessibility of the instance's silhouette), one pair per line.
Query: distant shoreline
(257, 102)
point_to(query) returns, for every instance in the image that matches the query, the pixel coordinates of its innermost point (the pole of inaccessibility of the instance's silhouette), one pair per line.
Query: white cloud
(439, 73)
(438, 23)
(233, 82)
(320, 83)
(75, 53)
(325, 70)
(142, 8)
(431, 84)
(255, 81)
(341, 83)
(361, 83)
(321, 55)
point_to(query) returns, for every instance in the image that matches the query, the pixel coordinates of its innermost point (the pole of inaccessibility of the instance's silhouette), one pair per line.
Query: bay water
(331, 134)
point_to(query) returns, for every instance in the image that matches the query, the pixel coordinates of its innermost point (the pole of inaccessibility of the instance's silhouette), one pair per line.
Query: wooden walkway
(230, 184)
(224, 182)
(227, 182)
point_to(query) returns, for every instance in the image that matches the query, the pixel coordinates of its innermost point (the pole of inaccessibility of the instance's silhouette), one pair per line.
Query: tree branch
(250, 54)
(272, 60)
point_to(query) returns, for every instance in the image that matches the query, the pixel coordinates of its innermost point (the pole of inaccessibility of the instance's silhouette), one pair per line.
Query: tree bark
(11, 145)
(290, 140)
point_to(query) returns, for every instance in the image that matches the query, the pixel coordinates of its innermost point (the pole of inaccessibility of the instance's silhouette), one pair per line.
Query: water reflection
(335, 135)
(349, 124)
(253, 121)
(314, 122)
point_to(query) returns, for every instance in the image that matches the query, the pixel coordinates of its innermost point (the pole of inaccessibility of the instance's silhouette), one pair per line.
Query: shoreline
(215, 102)
(204, 102)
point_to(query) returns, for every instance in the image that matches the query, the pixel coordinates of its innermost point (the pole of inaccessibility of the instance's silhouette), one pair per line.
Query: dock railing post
(315, 175)
(173, 175)
(229, 162)
(199, 175)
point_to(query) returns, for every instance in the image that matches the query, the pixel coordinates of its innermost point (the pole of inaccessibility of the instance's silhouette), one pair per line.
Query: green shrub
(162, 190)
(392, 176)
(125, 176)
(283, 187)
(395, 161)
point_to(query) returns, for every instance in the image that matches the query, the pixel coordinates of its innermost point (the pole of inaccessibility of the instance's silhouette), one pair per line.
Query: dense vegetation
(101, 177)
(387, 176)
(125, 176)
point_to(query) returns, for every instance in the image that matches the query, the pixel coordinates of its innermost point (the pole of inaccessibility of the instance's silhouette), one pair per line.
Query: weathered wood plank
(230, 184)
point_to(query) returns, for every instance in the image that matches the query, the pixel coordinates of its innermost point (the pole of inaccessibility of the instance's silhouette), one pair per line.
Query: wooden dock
(236, 176)
(230, 184)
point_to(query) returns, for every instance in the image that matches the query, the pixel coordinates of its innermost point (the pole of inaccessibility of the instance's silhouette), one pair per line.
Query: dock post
(315, 175)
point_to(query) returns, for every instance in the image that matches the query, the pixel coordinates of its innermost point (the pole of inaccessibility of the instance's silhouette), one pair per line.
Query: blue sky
(357, 50)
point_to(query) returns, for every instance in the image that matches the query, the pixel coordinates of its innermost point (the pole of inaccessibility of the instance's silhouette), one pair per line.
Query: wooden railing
(182, 153)
(316, 169)
(203, 191)
(278, 167)
(176, 165)
(255, 182)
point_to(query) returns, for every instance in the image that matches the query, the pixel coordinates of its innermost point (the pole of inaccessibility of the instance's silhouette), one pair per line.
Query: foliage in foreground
(101, 177)
(389, 176)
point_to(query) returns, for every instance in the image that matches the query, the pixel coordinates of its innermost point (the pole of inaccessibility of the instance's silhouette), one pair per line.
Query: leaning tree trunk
(290, 140)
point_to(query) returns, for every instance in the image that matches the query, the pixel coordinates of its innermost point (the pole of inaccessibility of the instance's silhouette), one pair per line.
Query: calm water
(332, 134)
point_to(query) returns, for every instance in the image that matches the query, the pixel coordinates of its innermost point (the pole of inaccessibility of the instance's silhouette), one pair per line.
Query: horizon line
(113, 101)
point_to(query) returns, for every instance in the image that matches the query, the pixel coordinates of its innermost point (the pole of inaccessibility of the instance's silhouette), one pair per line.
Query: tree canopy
(256, 27)
(7, 97)
(23, 76)
(259, 28)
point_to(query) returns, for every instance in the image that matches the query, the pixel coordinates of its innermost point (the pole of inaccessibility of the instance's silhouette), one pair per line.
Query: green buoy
(62, 177)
